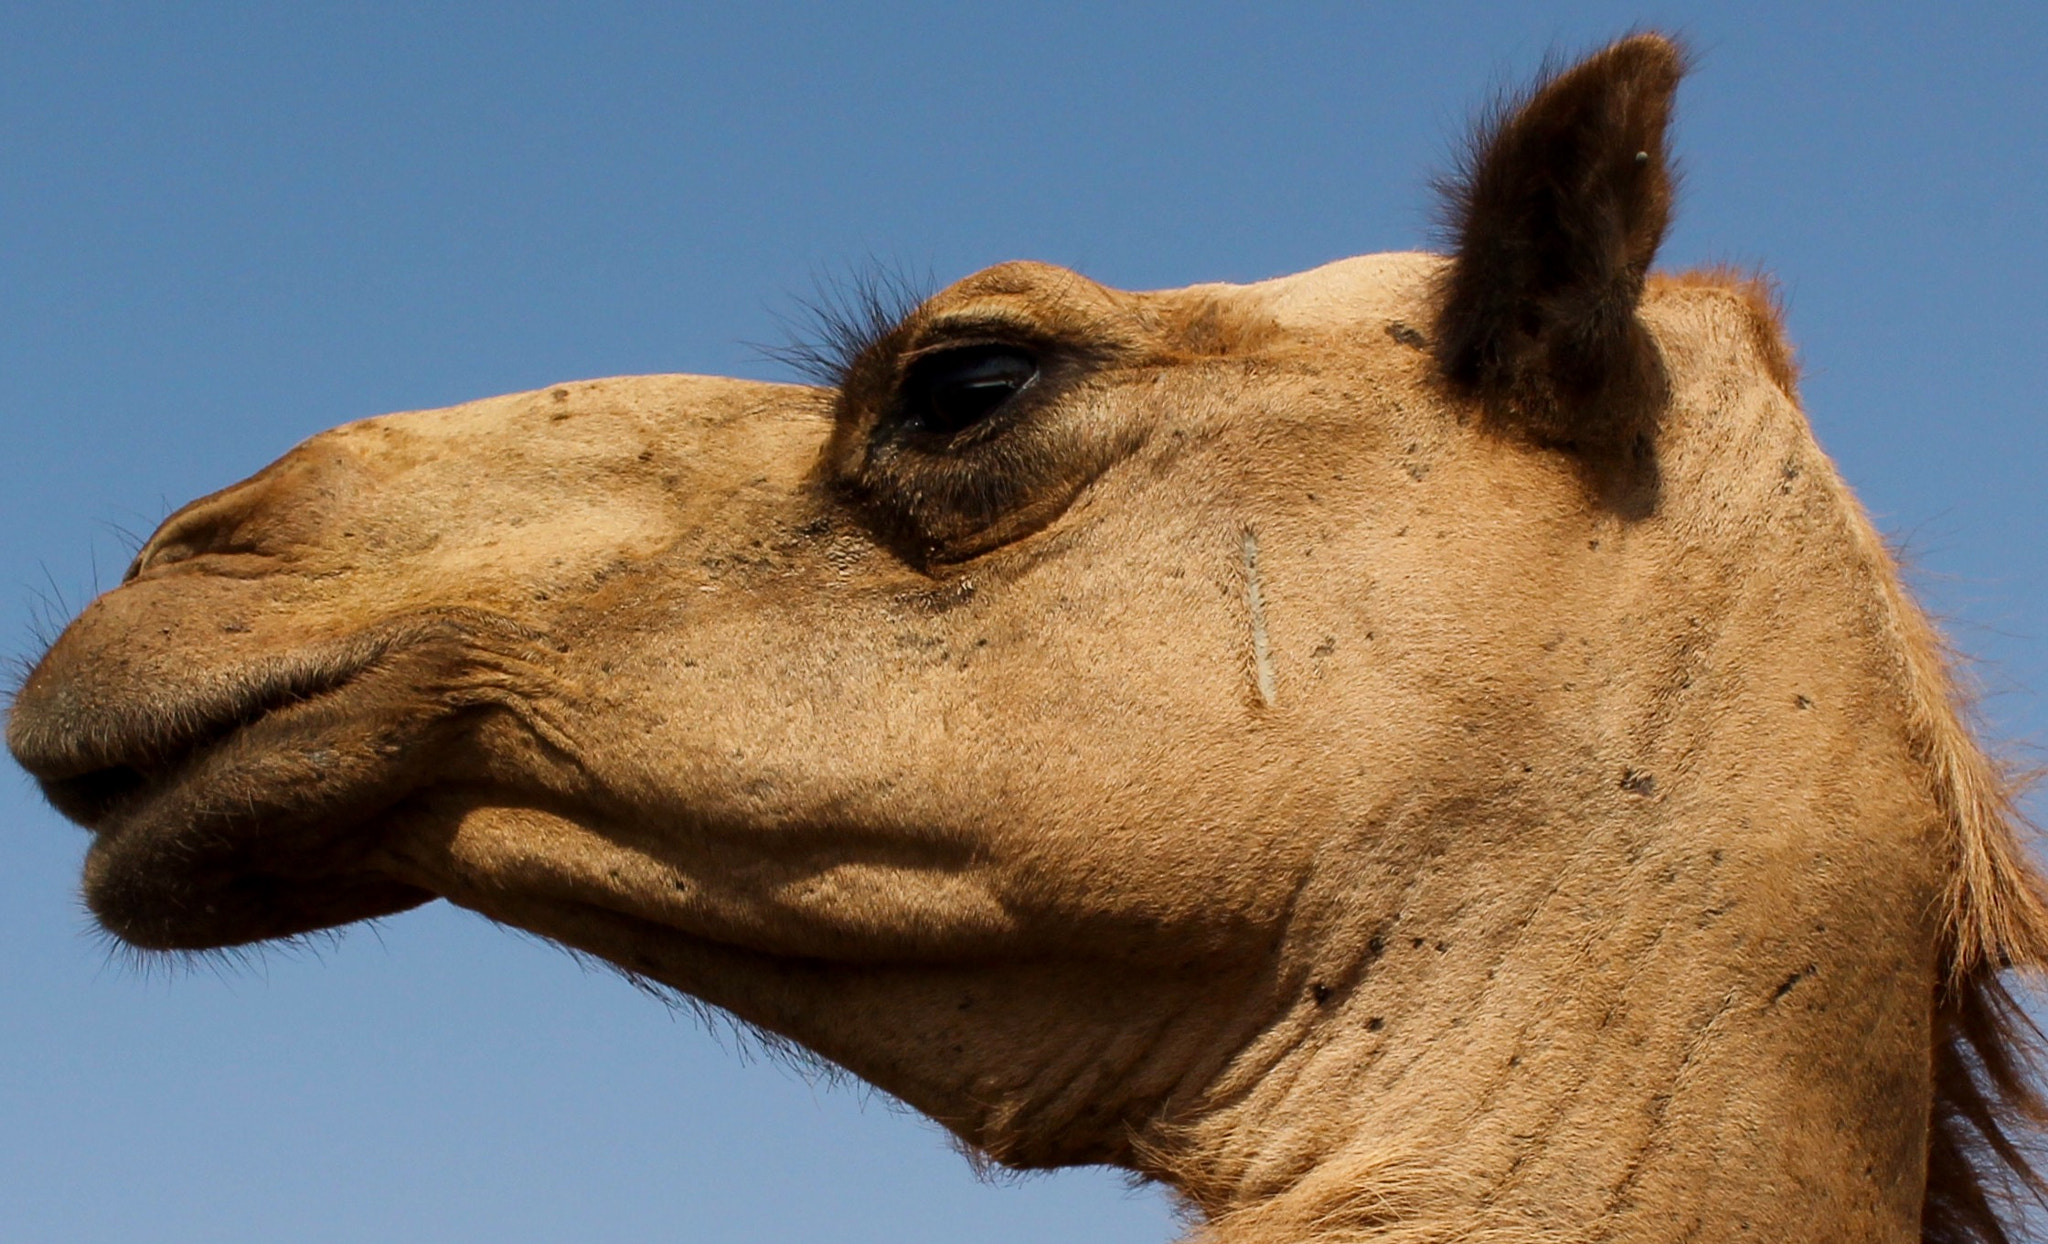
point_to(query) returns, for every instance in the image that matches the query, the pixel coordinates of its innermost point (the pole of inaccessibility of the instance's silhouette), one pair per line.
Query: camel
(1423, 749)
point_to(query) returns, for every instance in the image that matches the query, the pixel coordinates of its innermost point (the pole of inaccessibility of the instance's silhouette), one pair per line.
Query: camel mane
(1983, 1159)
(1988, 1108)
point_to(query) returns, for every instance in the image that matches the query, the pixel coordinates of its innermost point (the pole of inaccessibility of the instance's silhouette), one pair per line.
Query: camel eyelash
(846, 318)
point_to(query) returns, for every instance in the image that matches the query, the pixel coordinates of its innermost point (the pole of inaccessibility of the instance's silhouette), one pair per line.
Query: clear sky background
(224, 227)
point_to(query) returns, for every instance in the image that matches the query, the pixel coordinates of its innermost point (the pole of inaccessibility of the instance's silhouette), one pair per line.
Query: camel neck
(1635, 1047)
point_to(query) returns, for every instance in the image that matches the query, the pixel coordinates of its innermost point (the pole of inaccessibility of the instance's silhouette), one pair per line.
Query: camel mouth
(244, 815)
(92, 798)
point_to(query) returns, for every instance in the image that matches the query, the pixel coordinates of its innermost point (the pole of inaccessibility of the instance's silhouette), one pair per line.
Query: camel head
(1422, 748)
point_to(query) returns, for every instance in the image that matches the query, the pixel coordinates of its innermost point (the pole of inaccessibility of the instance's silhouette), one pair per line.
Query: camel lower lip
(170, 870)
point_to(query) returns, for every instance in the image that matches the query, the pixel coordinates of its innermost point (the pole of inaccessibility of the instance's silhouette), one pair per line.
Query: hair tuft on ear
(1555, 216)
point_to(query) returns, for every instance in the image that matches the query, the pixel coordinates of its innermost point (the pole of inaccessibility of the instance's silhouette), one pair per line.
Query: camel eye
(953, 390)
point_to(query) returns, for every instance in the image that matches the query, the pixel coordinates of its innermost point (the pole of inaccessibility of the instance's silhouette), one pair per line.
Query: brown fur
(1231, 758)
(1555, 218)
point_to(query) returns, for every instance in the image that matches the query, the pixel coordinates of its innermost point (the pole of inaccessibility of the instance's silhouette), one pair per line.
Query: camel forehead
(1362, 288)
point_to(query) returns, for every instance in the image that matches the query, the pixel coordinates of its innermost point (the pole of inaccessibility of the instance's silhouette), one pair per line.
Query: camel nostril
(160, 553)
(182, 540)
(211, 525)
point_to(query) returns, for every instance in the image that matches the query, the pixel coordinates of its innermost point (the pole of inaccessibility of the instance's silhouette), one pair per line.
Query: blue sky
(228, 226)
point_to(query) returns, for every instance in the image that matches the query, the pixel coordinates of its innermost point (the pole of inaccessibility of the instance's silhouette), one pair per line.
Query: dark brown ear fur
(1556, 216)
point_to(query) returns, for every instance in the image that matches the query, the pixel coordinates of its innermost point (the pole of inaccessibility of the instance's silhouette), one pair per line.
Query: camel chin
(152, 904)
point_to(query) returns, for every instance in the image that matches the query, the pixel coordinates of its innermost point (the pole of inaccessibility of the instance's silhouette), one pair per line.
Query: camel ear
(1556, 215)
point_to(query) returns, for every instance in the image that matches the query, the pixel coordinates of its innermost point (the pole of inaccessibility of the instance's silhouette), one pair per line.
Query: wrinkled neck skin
(1679, 1073)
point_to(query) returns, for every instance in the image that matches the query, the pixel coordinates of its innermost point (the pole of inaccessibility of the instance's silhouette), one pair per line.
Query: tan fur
(1766, 310)
(1238, 759)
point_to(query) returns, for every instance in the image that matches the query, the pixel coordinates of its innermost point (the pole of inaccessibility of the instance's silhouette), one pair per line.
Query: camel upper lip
(95, 798)
(93, 766)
